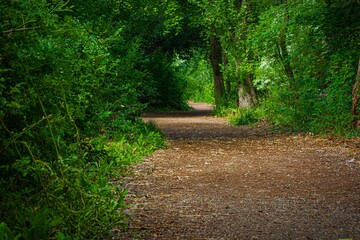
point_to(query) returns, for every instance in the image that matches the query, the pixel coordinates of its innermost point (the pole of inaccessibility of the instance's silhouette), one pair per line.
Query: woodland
(76, 75)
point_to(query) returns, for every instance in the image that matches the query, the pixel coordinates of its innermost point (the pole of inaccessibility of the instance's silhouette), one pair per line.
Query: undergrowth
(69, 100)
(246, 116)
(80, 194)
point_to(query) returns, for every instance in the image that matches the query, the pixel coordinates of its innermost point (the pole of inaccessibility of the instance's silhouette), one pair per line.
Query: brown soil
(216, 181)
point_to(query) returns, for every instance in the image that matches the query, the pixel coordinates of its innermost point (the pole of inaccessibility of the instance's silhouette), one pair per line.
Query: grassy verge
(78, 196)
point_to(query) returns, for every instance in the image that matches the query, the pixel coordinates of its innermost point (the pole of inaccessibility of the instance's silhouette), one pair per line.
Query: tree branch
(20, 30)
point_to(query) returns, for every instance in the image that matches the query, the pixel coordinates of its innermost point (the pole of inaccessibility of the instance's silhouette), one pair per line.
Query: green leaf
(5, 232)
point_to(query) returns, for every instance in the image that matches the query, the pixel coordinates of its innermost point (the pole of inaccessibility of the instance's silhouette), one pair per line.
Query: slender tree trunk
(245, 88)
(227, 80)
(355, 98)
(216, 60)
(282, 47)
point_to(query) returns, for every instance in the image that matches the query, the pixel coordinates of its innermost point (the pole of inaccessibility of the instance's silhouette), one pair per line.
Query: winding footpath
(216, 181)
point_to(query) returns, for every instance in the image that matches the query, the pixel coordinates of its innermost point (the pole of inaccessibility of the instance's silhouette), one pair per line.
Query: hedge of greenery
(298, 59)
(73, 81)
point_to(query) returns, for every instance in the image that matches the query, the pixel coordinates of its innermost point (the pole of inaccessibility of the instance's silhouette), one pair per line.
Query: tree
(216, 57)
(227, 24)
(282, 46)
(355, 98)
(245, 87)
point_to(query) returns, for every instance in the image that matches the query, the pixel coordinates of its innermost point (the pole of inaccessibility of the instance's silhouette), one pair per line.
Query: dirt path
(216, 181)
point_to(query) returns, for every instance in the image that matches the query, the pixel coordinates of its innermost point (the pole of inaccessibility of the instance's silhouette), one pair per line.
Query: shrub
(68, 122)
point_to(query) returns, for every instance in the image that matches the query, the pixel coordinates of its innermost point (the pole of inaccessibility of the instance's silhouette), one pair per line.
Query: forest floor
(216, 181)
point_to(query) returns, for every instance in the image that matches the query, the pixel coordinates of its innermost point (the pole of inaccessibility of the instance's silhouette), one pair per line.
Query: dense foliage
(75, 76)
(197, 74)
(74, 79)
(294, 63)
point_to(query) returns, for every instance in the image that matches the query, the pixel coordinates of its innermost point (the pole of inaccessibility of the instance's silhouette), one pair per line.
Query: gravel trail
(216, 181)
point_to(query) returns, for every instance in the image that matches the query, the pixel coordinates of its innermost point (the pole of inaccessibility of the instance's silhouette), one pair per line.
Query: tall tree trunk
(246, 92)
(355, 98)
(227, 80)
(282, 47)
(216, 60)
(245, 88)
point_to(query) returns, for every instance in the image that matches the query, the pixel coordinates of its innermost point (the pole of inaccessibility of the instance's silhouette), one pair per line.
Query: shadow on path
(200, 124)
(199, 109)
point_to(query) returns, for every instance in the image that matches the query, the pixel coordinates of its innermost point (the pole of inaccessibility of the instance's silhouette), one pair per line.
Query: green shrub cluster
(246, 116)
(296, 62)
(71, 92)
(318, 96)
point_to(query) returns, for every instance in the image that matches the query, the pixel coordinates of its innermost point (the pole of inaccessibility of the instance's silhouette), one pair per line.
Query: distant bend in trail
(199, 124)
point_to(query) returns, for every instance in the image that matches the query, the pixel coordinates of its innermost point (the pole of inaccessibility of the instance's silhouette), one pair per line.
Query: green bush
(317, 98)
(169, 86)
(246, 116)
(69, 103)
(76, 195)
